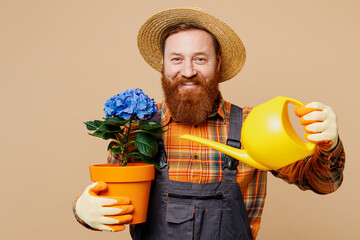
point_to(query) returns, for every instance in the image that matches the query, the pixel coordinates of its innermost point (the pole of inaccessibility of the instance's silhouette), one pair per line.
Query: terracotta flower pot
(133, 181)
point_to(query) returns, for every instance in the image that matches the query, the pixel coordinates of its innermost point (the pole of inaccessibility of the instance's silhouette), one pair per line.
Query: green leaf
(146, 144)
(113, 144)
(129, 143)
(148, 160)
(136, 154)
(115, 150)
(116, 121)
(156, 166)
(152, 128)
(109, 128)
(103, 135)
(155, 133)
(102, 126)
(93, 125)
(146, 125)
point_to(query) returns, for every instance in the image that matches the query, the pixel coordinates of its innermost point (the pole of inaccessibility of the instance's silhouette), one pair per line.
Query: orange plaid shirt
(192, 162)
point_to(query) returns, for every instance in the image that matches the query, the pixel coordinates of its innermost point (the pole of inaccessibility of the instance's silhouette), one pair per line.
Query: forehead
(190, 41)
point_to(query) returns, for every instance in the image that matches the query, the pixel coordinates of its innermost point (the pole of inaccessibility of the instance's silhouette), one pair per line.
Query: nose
(188, 70)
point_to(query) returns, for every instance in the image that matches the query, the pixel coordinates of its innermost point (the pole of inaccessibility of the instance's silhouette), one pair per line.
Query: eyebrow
(196, 53)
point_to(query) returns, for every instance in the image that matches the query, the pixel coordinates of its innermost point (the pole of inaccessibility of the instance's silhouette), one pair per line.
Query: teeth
(189, 83)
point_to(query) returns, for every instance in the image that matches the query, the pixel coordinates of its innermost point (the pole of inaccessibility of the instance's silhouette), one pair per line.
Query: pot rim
(112, 172)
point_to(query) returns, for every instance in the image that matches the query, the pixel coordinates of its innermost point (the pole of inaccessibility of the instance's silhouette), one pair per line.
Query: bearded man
(201, 193)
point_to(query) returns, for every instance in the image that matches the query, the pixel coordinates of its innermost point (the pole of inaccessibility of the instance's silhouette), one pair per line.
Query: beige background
(60, 61)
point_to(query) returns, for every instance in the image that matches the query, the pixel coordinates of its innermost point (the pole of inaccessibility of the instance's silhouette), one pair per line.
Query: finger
(316, 105)
(108, 220)
(105, 228)
(310, 139)
(117, 210)
(105, 201)
(110, 211)
(121, 219)
(317, 137)
(324, 144)
(93, 192)
(124, 209)
(116, 227)
(316, 127)
(96, 188)
(120, 200)
(323, 136)
(302, 110)
(307, 108)
(312, 117)
(88, 188)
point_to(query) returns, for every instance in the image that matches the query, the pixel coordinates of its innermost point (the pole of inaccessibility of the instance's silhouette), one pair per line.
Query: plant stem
(124, 161)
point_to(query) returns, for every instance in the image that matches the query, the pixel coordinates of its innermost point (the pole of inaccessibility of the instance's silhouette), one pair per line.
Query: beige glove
(103, 213)
(320, 124)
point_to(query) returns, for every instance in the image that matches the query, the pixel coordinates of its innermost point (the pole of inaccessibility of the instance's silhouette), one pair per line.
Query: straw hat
(232, 49)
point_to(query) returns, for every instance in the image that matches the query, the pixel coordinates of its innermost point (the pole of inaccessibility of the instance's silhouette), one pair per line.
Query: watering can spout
(238, 154)
(270, 142)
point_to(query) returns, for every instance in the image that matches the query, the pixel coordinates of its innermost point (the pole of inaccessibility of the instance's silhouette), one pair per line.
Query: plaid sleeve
(321, 172)
(113, 158)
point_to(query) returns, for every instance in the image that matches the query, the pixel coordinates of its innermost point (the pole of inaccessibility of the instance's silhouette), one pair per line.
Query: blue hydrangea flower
(131, 102)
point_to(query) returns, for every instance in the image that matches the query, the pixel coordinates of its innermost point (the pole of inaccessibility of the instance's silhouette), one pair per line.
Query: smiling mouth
(189, 83)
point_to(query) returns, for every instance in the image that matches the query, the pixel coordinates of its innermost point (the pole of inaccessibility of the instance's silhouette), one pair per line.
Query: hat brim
(232, 49)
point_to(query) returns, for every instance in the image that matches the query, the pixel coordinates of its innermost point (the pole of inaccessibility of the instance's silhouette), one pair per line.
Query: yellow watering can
(269, 140)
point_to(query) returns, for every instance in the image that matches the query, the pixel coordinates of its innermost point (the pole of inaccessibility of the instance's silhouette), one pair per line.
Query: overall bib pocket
(180, 222)
(195, 217)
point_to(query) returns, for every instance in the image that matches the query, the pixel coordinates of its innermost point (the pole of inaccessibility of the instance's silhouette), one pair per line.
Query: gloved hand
(320, 124)
(95, 210)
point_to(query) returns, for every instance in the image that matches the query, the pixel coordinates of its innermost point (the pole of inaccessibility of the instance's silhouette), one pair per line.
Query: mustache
(196, 79)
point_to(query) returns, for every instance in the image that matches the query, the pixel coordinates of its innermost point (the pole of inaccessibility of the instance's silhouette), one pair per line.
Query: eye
(176, 59)
(200, 60)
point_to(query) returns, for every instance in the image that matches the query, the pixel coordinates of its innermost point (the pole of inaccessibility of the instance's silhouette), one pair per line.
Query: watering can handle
(295, 102)
(309, 145)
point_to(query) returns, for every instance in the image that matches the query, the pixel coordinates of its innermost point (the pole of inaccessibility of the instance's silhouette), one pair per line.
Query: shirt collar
(218, 111)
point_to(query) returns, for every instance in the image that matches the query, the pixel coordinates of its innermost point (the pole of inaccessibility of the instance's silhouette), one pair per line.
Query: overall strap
(160, 157)
(235, 124)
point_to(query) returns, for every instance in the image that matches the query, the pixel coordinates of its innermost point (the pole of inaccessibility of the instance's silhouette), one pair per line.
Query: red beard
(191, 106)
